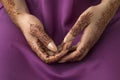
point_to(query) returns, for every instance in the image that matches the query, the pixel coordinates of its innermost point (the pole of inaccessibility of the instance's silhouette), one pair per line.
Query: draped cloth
(19, 62)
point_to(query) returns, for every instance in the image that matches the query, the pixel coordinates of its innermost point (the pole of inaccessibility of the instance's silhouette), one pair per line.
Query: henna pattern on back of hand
(81, 24)
(38, 32)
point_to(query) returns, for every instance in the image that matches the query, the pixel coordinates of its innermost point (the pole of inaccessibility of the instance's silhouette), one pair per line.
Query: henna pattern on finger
(49, 52)
(38, 32)
(81, 24)
(84, 50)
(37, 47)
(73, 56)
(72, 49)
(60, 54)
(43, 52)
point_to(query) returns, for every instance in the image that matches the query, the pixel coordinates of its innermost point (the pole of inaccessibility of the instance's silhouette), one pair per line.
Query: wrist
(20, 19)
(111, 4)
(107, 2)
(14, 8)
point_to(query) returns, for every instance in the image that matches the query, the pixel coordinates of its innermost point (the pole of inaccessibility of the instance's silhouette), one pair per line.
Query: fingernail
(50, 53)
(52, 46)
(61, 61)
(68, 38)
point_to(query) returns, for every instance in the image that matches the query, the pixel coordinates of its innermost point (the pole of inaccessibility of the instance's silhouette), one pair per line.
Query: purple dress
(19, 62)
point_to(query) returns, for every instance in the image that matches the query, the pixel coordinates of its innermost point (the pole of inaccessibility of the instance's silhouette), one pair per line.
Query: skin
(25, 21)
(101, 15)
(34, 32)
(92, 22)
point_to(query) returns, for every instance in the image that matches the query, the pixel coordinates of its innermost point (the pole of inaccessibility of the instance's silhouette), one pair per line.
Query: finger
(37, 48)
(65, 48)
(92, 35)
(39, 32)
(89, 38)
(69, 57)
(49, 52)
(81, 23)
(72, 49)
(80, 57)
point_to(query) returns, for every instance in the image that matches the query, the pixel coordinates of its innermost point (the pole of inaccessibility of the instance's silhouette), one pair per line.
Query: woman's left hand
(92, 22)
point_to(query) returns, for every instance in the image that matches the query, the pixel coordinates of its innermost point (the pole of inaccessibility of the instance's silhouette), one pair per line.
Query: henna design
(101, 24)
(107, 15)
(43, 52)
(81, 24)
(41, 47)
(49, 52)
(58, 55)
(10, 7)
(38, 32)
(37, 47)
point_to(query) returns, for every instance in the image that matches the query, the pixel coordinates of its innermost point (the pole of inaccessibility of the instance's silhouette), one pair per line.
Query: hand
(33, 31)
(38, 40)
(92, 22)
(35, 35)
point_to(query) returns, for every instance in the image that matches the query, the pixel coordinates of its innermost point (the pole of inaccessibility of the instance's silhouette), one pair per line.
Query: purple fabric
(19, 62)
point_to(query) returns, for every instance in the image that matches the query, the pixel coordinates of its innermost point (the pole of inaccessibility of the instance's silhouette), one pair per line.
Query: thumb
(39, 32)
